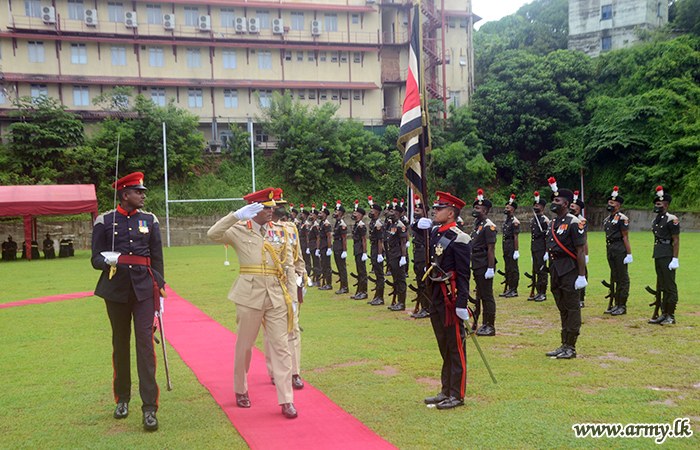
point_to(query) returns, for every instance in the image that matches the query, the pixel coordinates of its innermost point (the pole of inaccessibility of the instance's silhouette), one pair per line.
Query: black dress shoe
(325, 287)
(122, 411)
(360, 296)
(486, 330)
(531, 299)
(610, 310)
(557, 351)
(377, 302)
(569, 352)
(297, 383)
(450, 403)
(150, 423)
(343, 290)
(242, 400)
(658, 320)
(398, 307)
(669, 320)
(437, 399)
(540, 298)
(512, 293)
(289, 411)
(504, 294)
(422, 314)
(619, 311)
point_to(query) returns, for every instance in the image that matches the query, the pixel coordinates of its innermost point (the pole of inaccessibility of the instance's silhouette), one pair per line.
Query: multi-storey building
(216, 58)
(598, 26)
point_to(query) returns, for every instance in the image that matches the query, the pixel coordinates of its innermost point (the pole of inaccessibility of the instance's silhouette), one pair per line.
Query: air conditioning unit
(277, 26)
(48, 14)
(91, 17)
(130, 19)
(169, 21)
(253, 25)
(316, 27)
(205, 23)
(215, 146)
(240, 24)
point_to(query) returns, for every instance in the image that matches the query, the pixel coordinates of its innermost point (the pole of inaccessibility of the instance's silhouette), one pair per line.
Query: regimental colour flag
(411, 120)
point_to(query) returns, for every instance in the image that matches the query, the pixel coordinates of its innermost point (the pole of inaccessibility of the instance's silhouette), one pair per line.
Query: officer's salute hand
(249, 211)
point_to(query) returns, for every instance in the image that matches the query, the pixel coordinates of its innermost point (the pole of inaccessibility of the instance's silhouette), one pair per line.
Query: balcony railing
(391, 74)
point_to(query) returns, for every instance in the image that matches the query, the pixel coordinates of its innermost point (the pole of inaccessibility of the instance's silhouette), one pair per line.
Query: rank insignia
(675, 221)
(627, 222)
(439, 250)
(493, 227)
(581, 225)
(143, 226)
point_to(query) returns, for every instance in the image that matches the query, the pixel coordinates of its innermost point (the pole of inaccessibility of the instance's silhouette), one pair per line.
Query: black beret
(376, 207)
(565, 194)
(360, 210)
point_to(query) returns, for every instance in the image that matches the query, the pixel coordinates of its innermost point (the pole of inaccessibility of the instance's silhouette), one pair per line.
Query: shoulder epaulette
(624, 217)
(516, 221)
(671, 217)
(462, 237)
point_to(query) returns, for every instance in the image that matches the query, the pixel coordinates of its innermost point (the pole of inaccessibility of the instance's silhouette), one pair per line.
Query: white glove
(628, 259)
(161, 306)
(408, 244)
(344, 255)
(308, 251)
(309, 282)
(587, 259)
(462, 313)
(546, 256)
(364, 257)
(329, 252)
(402, 261)
(318, 252)
(380, 258)
(300, 281)
(580, 283)
(249, 211)
(424, 223)
(111, 258)
(516, 254)
(673, 265)
(490, 273)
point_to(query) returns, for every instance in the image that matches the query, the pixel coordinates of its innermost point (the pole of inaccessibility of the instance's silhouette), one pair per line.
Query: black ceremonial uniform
(563, 269)
(539, 225)
(311, 236)
(304, 244)
(460, 223)
(450, 249)
(48, 249)
(359, 230)
(419, 263)
(511, 227)
(376, 234)
(130, 291)
(340, 229)
(664, 227)
(582, 291)
(396, 231)
(323, 229)
(484, 233)
(614, 225)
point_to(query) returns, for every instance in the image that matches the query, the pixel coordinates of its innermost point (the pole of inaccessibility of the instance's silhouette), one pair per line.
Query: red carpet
(52, 298)
(207, 348)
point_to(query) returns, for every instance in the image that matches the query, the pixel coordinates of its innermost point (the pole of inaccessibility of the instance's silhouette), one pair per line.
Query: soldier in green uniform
(419, 212)
(566, 247)
(396, 245)
(483, 260)
(538, 247)
(616, 227)
(312, 246)
(303, 227)
(576, 207)
(511, 230)
(376, 239)
(340, 247)
(323, 250)
(49, 251)
(666, 229)
(359, 251)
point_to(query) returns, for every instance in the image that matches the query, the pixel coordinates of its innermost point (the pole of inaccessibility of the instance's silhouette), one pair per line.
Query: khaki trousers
(294, 341)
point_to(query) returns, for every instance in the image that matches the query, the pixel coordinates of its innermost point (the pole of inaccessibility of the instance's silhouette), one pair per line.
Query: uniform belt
(133, 259)
(663, 241)
(248, 269)
(507, 238)
(476, 251)
(611, 240)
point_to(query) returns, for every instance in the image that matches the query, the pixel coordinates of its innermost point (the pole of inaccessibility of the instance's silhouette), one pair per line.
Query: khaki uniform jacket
(249, 290)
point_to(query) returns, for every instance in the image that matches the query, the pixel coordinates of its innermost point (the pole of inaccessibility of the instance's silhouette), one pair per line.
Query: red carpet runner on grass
(53, 298)
(207, 348)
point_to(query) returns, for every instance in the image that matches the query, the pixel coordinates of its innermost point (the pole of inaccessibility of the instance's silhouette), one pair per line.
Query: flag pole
(426, 130)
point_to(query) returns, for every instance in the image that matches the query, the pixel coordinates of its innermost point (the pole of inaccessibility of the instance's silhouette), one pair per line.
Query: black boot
(488, 328)
(621, 307)
(661, 318)
(569, 351)
(670, 318)
(400, 303)
(361, 296)
(561, 347)
(505, 293)
(512, 293)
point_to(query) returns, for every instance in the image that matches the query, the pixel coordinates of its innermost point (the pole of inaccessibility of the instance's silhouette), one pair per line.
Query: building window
(194, 57)
(2, 97)
(36, 51)
(265, 97)
(153, 15)
(191, 16)
(334, 57)
(115, 12)
(453, 22)
(312, 94)
(264, 60)
(229, 59)
(297, 21)
(456, 98)
(287, 55)
(37, 90)
(355, 19)
(158, 96)
(301, 93)
(155, 56)
(462, 60)
(231, 98)
(263, 18)
(78, 54)
(300, 56)
(81, 95)
(606, 12)
(344, 94)
(356, 95)
(330, 22)
(228, 18)
(606, 43)
(343, 57)
(334, 94)
(195, 96)
(118, 56)
(261, 136)
(322, 94)
(76, 10)
(32, 8)
(463, 22)
(309, 56)
(322, 56)
(357, 57)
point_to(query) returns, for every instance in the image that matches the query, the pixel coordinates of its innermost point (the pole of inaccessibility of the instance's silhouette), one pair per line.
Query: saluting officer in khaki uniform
(260, 292)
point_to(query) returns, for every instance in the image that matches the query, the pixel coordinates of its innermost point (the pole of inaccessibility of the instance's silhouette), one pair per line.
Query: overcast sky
(495, 9)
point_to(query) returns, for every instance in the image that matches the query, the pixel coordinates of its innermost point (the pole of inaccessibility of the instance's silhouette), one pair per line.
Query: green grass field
(55, 368)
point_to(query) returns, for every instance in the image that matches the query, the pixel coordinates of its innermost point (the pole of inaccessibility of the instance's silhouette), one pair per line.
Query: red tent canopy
(46, 200)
